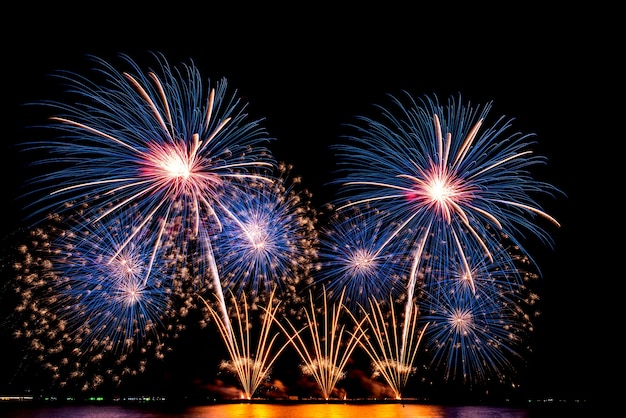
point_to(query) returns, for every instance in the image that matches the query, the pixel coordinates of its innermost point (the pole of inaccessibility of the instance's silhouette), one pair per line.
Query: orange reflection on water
(317, 410)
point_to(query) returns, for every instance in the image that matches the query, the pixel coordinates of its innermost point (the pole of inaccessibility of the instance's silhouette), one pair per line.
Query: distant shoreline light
(290, 400)
(16, 398)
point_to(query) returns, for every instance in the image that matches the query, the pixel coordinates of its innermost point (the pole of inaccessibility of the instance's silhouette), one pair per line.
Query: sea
(291, 410)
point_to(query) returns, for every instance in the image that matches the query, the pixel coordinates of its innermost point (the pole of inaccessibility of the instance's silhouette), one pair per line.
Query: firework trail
(446, 178)
(327, 346)
(392, 352)
(156, 143)
(252, 365)
(356, 260)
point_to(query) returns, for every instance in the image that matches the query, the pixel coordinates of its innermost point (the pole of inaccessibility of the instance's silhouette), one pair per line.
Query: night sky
(308, 70)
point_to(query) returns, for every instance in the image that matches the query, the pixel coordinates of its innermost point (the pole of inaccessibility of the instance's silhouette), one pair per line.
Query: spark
(328, 347)
(252, 364)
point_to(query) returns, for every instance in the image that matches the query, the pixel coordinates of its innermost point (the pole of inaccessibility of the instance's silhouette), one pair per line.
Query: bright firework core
(173, 161)
(257, 234)
(175, 167)
(440, 190)
(362, 260)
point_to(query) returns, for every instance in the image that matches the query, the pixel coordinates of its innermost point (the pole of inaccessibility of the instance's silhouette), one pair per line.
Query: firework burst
(452, 186)
(327, 346)
(356, 261)
(101, 292)
(447, 178)
(391, 350)
(252, 364)
(478, 329)
(85, 312)
(156, 143)
(270, 242)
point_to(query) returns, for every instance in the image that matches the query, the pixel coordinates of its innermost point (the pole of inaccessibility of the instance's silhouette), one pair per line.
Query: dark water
(263, 410)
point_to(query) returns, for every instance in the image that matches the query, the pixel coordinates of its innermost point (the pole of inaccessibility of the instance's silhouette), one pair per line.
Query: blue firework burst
(356, 260)
(446, 176)
(100, 293)
(270, 240)
(479, 320)
(86, 313)
(161, 143)
(455, 190)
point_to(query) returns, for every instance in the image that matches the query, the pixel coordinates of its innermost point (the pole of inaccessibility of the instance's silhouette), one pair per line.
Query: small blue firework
(86, 313)
(268, 242)
(479, 320)
(356, 260)
(100, 292)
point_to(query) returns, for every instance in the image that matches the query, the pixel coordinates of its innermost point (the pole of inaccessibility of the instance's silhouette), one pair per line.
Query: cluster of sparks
(251, 363)
(164, 198)
(85, 311)
(392, 353)
(327, 346)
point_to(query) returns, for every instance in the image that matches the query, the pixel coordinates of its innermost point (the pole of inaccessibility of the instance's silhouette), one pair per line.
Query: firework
(445, 176)
(356, 260)
(327, 346)
(102, 294)
(251, 364)
(270, 242)
(163, 191)
(448, 181)
(267, 246)
(392, 352)
(479, 319)
(156, 143)
(85, 312)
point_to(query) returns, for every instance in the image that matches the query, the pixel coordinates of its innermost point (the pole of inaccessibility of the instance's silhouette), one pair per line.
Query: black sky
(310, 68)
